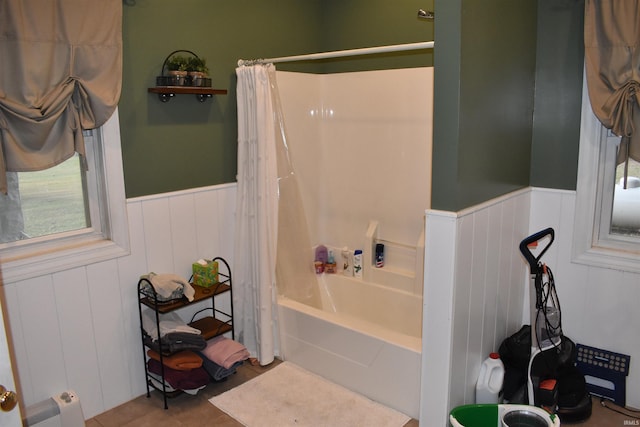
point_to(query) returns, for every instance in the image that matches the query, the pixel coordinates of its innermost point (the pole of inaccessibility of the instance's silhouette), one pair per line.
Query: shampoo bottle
(347, 262)
(379, 255)
(357, 263)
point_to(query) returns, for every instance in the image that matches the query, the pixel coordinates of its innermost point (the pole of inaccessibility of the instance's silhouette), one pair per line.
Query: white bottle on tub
(357, 263)
(347, 262)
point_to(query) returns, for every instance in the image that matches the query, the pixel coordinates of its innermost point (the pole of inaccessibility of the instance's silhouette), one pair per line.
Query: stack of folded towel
(182, 371)
(193, 361)
(175, 333)
(222, 356)
(170, 286)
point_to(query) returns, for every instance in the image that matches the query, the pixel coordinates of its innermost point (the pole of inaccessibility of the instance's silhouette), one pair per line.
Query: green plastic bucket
(499, 415)
(481, 415)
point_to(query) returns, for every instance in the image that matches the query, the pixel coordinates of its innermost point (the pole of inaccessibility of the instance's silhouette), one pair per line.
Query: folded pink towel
(225, 352)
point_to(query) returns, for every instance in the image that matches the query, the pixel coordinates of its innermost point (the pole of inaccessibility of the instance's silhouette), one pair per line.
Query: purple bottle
(321, 258)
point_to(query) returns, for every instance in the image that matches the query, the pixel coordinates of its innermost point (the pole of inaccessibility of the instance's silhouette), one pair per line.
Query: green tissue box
(205, 275)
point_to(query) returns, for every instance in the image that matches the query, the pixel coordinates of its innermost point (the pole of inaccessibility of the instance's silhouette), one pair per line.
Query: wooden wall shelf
(165, 93)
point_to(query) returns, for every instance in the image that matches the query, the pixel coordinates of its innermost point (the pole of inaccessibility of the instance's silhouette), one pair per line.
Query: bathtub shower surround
(403, 270)
(360, 147)
(363, 336)
(360, 144)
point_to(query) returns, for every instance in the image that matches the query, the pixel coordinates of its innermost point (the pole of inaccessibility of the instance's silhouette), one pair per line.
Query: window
(89, 209)
(607, 217)
(51, 201)
(626, 212)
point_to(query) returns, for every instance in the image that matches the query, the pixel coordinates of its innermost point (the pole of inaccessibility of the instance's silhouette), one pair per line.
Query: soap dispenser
(330, 266)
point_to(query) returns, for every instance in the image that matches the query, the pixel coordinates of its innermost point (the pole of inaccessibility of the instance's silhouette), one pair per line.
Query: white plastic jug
(490, 380)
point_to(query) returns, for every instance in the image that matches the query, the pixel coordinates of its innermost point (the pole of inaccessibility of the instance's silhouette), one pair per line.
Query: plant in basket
(177, 66)
(198, 71)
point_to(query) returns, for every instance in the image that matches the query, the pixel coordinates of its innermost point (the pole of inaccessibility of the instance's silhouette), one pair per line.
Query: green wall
(560, 58)
(495, 61)
(357, 23)
(508, 82)
(183, 143)
(484, 88)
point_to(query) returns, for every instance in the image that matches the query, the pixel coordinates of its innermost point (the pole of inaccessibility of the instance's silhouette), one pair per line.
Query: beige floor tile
(195, 411)
(92, 423)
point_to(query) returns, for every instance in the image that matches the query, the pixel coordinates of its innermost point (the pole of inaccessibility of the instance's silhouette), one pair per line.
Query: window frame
(109, 239)
(593, 244)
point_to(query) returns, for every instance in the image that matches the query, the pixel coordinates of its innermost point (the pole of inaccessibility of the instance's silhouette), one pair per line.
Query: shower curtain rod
(340, 53)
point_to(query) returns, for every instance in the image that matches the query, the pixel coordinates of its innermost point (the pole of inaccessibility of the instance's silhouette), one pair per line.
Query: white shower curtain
(254, 284)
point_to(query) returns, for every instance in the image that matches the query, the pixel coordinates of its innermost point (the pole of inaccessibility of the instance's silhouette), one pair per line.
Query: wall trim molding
(182, 192)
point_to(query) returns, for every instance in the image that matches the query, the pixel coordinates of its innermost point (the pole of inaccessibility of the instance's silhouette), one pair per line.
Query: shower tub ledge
(365, 338)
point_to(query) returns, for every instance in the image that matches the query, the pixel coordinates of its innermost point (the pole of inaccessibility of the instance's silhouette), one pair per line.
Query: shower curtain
(254, 292)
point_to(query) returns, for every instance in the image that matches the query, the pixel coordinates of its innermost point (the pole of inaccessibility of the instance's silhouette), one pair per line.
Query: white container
(357, 263)
(490, 380)
(347, 262)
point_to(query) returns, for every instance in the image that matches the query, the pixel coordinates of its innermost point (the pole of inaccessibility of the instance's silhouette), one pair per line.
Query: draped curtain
(11, 219)
(612, 63)
(254, 285)
(60, 73)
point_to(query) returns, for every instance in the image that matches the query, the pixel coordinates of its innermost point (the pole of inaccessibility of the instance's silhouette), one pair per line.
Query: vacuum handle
(524, 247)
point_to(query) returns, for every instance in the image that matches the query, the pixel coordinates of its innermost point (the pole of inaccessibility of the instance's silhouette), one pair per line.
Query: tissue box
(205, 275)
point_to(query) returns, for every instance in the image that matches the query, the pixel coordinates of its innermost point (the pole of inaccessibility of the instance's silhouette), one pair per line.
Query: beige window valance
(612, 62)
(60, 73)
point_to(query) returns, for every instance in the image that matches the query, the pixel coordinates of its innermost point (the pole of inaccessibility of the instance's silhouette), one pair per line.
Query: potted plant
(197, 70)
(177, 66)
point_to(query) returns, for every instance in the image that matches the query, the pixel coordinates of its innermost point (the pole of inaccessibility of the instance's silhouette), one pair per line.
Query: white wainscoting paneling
(599, 305)
(79, 329)
(437, 316)
(473, 294)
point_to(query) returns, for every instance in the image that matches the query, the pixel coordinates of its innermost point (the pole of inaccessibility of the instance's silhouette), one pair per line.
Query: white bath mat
(288, 395)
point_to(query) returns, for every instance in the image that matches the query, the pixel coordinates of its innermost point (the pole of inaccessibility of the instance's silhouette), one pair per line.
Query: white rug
(288, 395)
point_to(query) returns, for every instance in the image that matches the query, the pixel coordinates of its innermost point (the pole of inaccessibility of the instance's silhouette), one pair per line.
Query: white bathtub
(366, 337)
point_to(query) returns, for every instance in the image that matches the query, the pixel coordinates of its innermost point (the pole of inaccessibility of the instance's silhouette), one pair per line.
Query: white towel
(166, 283)
(169, 322)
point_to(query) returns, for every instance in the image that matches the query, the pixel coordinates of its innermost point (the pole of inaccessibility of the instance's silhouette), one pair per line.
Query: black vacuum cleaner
(544, 371)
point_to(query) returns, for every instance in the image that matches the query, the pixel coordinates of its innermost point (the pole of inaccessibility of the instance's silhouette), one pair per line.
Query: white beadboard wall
(599, 305)
(79, 329)
(473, 296)
(476, 293)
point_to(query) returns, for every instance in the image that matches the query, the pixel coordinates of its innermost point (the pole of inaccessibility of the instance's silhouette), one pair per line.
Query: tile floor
(602, 416)
(196, 411)
(184, 410)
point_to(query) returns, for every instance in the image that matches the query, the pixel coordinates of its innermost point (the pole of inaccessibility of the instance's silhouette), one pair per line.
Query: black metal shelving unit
(215, 322)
